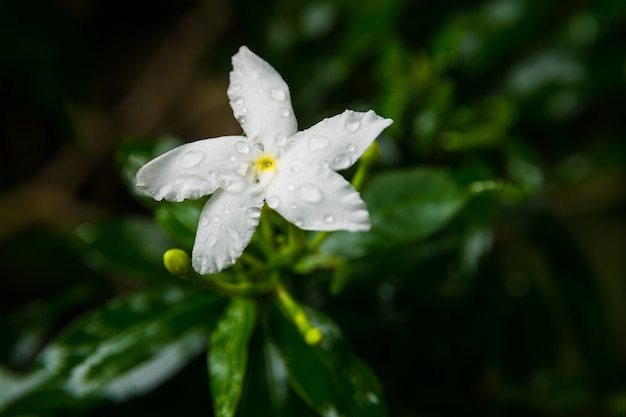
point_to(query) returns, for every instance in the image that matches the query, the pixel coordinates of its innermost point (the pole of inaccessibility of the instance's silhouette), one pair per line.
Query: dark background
(517, 308)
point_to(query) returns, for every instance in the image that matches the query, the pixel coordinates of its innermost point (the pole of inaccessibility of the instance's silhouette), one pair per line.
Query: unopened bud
(177, 262)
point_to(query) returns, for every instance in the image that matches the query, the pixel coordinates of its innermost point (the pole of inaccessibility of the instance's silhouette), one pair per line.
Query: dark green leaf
(329, 377)
(133, 343)
(180, 220)
(132, 245)
(405, 206)
(228, 355)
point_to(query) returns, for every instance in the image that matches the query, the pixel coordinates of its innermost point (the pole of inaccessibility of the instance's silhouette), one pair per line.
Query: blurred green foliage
(492, 281)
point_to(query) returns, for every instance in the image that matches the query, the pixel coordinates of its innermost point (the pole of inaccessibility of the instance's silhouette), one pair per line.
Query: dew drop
(205, 220)
(278, 94)
(240, 118)
(226, 212)
(273, 202)
(310, 193)
(236, 187)
(216, 219)
(259, 146)
(293, 206)
(254, 212)
(281, 139)
(234, 88)
(341, 161)
(317, 142)
(261, 91)
(328, 218)
(191, 158)
(284, 111)
(324, 164)
(352, 125)
(290, 187)
(298, 222)
(239, 101)
(210, 241)
(242, 147)
(233, 233)
(232, 158)
(350, 147)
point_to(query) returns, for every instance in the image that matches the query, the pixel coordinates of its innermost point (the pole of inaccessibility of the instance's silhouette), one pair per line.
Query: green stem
(312, 335)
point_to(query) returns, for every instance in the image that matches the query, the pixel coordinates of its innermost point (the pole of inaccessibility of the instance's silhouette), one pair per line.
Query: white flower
(294, 172)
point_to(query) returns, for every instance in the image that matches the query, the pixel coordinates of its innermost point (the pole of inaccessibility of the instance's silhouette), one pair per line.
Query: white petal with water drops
(233, 222)
(324, 201)
(348, 136)
(188, 171)
(263, 89)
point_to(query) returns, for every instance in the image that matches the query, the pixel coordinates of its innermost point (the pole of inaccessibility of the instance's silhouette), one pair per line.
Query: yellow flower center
(265, 163)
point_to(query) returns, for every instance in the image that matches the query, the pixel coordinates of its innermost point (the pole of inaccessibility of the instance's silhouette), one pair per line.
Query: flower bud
(177, 262)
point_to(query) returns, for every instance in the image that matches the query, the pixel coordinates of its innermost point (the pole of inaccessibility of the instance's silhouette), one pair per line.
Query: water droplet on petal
(205, 220)
(232, 158)
(342, 161)
(350, 147)
(233, 233)
(284, 111)
(242, 147)
(298, 222)
(234, 88)
(352, 125)
(310, 193)
(259, 146)
(226, 212)
(324, 164)
(278, 94)
(239, 101)
(216, 219)
(236, 187)
(281, 139)
(290, 187)
(293, 206)
(273, 202)
(317, 142)
(210, 241)
(191, 158)
(240, 118)
(254, 212)
(328, 218)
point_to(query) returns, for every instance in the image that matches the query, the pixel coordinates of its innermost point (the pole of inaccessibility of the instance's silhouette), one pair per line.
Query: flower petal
(261, 101)
(317, 199)
(196, 169)
(337, 141)
(226, 225)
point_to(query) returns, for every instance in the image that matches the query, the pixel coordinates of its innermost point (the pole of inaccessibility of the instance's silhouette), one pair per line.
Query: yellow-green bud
(177, 262)
(313, 336)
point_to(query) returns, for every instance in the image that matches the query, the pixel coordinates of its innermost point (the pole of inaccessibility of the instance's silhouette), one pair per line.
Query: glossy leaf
(405, 206)
(329, 377)
(228, 355)
(133, 343)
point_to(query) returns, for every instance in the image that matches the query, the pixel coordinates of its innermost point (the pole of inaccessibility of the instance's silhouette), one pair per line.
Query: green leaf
(129, 245)
(405, 206)
(329, 377)
(228, 355)
(133, 343)
(180, 220)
